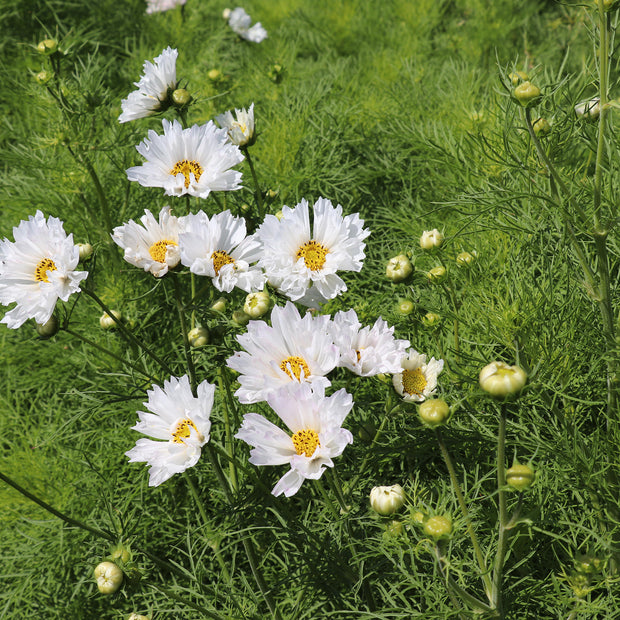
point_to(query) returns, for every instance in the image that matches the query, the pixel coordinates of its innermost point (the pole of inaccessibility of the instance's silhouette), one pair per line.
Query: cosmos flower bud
(226, 13)
(437, 274)
(135, 616)
(48, 329)
(527, 94)
(464, 259)
(198, 336)
(257, 304)
(215, 75)
(219, 305)
(398, 268)
(275, 72)
(181, 97)
(393, 529)
(541, 127)
(588, 564)
(85, 249)
(43, 77)
(405, 306)
(520, 477)
(431, 239)
(431, 319)
(609, 5)
(501, 380)
(279, 215)
(516, 77)
(240, 317)
(387, 500)
(109, 577)
(434, 412)
(589, 110)
(418, 517)
(107, 322)
(47, 46)
(438, 527)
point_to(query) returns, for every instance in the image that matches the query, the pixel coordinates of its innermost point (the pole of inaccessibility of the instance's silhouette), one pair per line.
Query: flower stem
(486, 579)
(186, 348)
(230, 446)
(257, 193)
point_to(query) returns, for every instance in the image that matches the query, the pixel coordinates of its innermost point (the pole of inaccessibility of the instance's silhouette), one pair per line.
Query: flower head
(241, 24)
(219, 248)
(157, 82)
(316, 434)
(367, 351)
(157, 6)
(303, 264)
(179, 421)
(418, 379)
(153, 246)
(193, 161)
(37, 269)
(293, 349)
(240, 129)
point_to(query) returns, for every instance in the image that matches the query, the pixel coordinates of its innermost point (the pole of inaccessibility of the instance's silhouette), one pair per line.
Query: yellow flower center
(220, 258)
(240, 126)
(183, 431)
(313, 254)
(185, 167)
(293, 366)
(414, 381)
(158, 250)
(40, 273)
(306, 442)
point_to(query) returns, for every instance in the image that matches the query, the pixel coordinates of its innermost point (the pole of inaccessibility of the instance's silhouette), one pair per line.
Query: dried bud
(257, 304)
(387, 500)
(438, 527)
(398, 268)
(501, 380)
(434, 412)
(107, 322)
(109, 577)
(198, 337)
(436, 274)
(520, 477)
(527, 94)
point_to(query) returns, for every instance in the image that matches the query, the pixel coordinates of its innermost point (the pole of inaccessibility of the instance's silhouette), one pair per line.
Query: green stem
(186, 347)
(488, 585)
(257, 192)
(258, 577)
(186, 601)
(230, 446)
(126, 332)
(328, 500)
(603, 87)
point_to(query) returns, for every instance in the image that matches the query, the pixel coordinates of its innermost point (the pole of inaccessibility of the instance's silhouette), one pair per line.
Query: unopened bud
(520, 477)
(219, 305)
(394, 529)
(418, 517)
(405, 306)
(48, 329)
(85, 250)
(181, 97)
(198, 337)
(464, 259)
(398, 268)
(431, 319)
(387, 500)
(226, 13)
(215, 75)
(438, 527)
(279, 215)
(240, 317)
(47, 46)
(501, 380)
(434, 412)
(527, 94)
(271, 193)
(517, 77)
(107, 322)
(109, 577)
(589, 110)
(436, 274)
(121, 553)
(257, 304)
(541, 127)
(135, 616)
(43, 77)
(431, 239)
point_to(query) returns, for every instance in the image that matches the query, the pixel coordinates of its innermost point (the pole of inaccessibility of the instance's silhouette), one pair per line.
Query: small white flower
(193, 161)
(418, 380)
(219, 248)
(179, 421)
(240, 129)
(157, 6)
(315, 422)
(159, 78)
(37, 269)
(153, 246)
(303, 264)
(241, 24)
(367, 351)
(293, 349)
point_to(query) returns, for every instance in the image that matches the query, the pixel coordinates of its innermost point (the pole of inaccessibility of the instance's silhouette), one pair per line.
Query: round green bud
(418, 517)
(47, 46)
(215, 75)
(542, 127)
(394, 529)
(121, 553)
(405, 306)
(516, 77)
(109, 577)
(181, 97)
(501, 380)
(49, 328)
(464, 259)
(387, 500)
(271, 193)
(43, 77)
(436, 274)
(434, 412)
(527, 94)
(398, 268)
(520, 477)
(438, 527)
(219, 305)
(198, 337)
(240, 317)
(431, 319)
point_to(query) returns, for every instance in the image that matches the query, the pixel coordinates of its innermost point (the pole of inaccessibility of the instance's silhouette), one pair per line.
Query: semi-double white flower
(154, 245)
(159, 78)
(316, 434)
(37, 269)
(293, 349)
(367, 351)
(179, 422)
(240, 127)
(241, 24)
(193, 161)
(220, 249)
(303, 264)
(417, 379)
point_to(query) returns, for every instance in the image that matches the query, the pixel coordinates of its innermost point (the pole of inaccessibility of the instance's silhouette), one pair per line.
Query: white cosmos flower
(153, 246)
(157, 6)
(193, 161)
(316, 433)
(367, 351)
(293, 349)
(159, 78)
(37, 269)
(303, 264)
(219, 248)
(180, 424)
(240, 128)
(418, 379)
(241, 24)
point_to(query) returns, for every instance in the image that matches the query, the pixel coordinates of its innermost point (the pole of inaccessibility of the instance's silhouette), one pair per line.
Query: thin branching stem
(184, 331)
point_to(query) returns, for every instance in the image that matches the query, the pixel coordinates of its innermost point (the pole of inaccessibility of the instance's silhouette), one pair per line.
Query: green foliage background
(397, 110)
